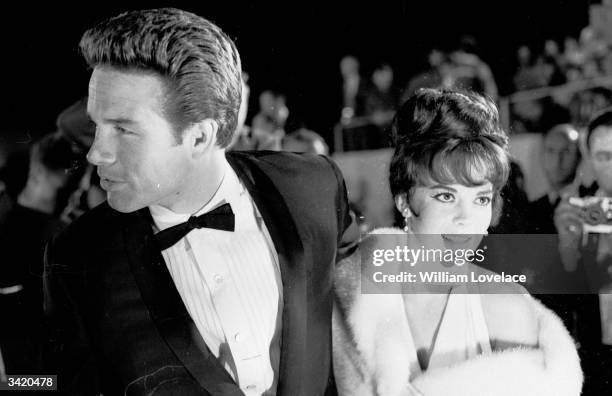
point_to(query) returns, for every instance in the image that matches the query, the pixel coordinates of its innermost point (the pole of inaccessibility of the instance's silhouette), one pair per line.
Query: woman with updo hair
(452, 338)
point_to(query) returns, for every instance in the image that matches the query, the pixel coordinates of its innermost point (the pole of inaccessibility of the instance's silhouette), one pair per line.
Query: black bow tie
(221, 218)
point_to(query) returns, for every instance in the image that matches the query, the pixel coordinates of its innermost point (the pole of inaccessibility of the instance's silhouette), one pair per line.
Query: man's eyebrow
(117, 120)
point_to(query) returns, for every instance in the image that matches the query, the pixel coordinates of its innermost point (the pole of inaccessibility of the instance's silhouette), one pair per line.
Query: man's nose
(102, 151)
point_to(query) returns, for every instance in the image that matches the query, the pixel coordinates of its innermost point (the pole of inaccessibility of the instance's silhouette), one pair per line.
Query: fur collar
(370, 329)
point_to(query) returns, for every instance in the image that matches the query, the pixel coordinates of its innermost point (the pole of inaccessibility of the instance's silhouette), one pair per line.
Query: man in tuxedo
(588, 261)
(560, 160)
(205, 272)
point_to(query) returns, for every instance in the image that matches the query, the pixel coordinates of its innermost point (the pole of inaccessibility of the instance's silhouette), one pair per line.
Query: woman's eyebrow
(444, 187)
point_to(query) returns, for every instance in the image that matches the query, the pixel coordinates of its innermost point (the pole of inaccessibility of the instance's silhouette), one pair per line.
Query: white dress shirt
(231, 285)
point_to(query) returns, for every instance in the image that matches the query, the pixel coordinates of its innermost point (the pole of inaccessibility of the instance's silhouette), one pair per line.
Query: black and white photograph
(392, 198)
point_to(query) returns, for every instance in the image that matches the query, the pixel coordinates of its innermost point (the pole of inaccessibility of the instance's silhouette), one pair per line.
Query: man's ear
(202, 135)
(401, 203)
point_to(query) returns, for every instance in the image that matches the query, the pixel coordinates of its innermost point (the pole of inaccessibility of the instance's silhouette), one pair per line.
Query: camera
(595, 212)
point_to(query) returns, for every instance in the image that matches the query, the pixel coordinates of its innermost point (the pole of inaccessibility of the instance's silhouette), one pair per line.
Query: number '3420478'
(32, 382)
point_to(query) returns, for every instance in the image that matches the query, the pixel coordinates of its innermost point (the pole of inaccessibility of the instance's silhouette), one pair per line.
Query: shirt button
(218, 278)
(237, 337)
(251, 387)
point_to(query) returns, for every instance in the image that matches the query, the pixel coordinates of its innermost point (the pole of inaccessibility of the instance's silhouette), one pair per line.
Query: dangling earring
(406, 214)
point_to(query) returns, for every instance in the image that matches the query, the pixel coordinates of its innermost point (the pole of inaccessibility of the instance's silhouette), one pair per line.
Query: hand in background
(569, 227)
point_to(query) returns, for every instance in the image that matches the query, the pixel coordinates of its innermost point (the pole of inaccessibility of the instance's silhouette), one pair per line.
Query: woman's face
(452, 210)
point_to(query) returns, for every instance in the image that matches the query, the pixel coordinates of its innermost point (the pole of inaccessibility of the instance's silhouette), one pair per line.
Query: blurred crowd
(575, 63)
(558, 63)
(574, 78)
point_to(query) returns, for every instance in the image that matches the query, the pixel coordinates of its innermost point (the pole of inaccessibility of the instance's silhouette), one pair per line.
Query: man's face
(601, 156)
(383, 78)
(560, 158)
(139, 161)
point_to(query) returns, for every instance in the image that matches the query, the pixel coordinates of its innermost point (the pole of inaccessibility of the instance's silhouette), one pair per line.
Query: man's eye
(445, 197)
(484, 201)
(122, 130)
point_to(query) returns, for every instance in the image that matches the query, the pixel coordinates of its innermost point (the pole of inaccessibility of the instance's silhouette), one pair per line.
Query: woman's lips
(457, 238)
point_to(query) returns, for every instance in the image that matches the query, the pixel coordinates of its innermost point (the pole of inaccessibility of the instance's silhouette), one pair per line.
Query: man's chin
(122, 205)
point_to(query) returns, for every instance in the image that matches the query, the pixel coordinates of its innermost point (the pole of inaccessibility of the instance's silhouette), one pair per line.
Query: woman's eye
(444, 197)
(603, 156)
(484, 201)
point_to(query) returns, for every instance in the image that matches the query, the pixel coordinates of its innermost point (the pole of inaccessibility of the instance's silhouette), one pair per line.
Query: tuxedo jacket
(117, 324)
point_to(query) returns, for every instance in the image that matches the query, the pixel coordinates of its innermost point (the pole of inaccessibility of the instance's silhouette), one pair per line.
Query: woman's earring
(406, 214)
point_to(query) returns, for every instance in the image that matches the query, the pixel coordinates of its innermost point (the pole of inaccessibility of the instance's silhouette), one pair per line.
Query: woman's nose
(463, 213)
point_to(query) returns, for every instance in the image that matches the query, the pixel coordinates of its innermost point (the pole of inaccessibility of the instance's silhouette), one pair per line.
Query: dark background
(289, 46)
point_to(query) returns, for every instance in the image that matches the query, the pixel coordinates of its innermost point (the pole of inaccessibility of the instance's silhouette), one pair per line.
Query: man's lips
(110, 178)
(109, 183)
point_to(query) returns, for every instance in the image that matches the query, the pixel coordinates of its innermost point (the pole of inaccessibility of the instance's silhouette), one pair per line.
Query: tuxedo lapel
(168, 310)
(288, 245)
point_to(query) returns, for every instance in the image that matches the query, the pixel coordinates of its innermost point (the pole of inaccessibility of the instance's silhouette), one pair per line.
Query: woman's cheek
(484, 219)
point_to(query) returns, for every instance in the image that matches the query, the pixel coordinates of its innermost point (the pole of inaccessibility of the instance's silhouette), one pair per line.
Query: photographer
(569, 216)
(586, 255)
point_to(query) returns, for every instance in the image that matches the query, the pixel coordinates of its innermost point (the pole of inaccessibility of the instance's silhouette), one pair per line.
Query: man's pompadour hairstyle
(199, 62)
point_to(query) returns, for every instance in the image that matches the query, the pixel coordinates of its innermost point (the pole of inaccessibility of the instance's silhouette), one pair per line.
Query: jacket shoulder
(98, 229)
(94, 222)
(284, 162)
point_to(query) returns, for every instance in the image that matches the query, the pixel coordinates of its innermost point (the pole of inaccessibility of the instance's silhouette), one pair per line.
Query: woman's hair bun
(431, 113)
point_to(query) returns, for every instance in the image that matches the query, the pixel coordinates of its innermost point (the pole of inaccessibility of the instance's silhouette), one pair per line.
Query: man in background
(587, 258)
(560, 160)
(25, 228)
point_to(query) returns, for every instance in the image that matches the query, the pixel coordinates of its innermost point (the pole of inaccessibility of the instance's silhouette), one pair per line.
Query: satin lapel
(283, 232)
(168, 311)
